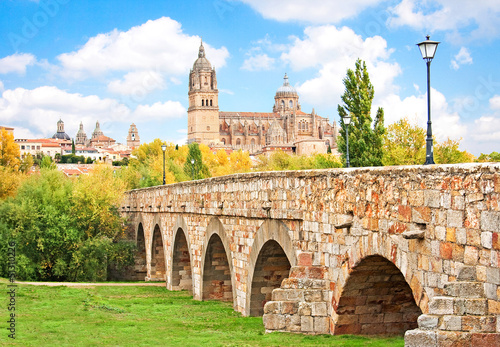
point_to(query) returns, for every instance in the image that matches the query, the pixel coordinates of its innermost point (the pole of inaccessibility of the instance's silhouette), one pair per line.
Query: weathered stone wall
(428, 221)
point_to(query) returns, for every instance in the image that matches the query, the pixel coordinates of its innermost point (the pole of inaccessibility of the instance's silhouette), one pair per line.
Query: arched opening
(181, 264)
(271, 268)
(376, 300)
(216, 272)
(283, 103)
(157, 257)
(141, 269)
(202, 102)
(238, 142)
(320, 133)
(290, 103)
(224, 141)
(210, 102)
(252, 142)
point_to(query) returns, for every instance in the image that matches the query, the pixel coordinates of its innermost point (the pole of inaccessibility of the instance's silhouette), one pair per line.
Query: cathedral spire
(201, 52)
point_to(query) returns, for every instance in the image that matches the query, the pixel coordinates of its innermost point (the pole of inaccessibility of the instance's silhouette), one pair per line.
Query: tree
(47, 163)
(404, 144)
(492, 157)
(365, 138)
(448, 152)
(73, 149)
(197, 169)
(9, 150)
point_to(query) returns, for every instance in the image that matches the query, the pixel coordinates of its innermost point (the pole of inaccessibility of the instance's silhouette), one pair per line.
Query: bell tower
(203, 111)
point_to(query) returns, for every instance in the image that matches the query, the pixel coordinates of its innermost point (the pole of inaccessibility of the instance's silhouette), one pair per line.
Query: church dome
(202, 63)
(60, 134)
(286, 88)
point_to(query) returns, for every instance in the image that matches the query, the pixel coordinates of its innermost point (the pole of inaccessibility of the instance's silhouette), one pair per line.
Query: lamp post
(192, 168)
(163, 148)
(347, 121)
(428, 49)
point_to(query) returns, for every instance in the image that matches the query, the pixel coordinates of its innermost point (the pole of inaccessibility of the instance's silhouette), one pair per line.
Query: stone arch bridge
(359, 251)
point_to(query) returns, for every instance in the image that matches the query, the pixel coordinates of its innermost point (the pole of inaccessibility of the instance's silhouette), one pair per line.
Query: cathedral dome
(286, 88)
(60, 134)
(202, 63)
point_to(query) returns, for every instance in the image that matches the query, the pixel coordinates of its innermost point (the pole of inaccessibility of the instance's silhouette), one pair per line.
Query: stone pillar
(301, 304)
(463, 317)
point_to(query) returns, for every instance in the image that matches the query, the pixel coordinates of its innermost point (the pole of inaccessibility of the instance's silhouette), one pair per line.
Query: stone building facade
(287, 127)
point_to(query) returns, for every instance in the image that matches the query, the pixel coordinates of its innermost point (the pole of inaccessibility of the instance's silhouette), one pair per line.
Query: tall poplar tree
(365, 135)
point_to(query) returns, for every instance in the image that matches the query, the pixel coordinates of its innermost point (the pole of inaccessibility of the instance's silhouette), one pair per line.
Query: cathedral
(286, 128)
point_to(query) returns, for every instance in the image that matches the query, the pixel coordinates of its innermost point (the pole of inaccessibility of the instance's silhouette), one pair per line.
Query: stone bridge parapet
(387, 250)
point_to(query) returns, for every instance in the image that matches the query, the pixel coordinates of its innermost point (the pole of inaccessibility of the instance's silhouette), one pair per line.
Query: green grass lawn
(141, 316)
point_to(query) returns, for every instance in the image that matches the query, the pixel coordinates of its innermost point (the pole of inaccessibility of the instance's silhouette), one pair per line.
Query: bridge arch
(141, 263)
(158, 268)
(272, 240)
(217, 275)
(180, 276)
(378, 292)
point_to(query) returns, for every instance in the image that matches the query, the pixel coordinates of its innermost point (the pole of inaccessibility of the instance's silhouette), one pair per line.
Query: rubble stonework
(369, 249)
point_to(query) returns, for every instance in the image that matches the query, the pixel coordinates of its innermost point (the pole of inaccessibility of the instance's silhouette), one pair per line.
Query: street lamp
(163, 148)
(428, 49)
(192, 168)
(347, 121)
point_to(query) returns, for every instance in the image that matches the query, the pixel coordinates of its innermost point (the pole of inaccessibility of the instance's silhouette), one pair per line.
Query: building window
(224, 141)
(210, 102)
(208, 128)
(283, 103)
(253, 142)
(202, 102)
(290, 104)
(22, 147)
(238, 142)
(28, 148)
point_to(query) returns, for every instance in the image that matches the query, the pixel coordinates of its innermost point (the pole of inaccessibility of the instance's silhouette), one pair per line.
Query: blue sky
(123, 62)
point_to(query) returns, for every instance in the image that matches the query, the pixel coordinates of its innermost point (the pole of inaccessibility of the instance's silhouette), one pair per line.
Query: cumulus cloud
(495, 103)
(160, 110)
(259, 62)
(39, 110)
(16, 63)
(1, 87)
(312, 11)
(449, 15)
(157, 45)
(137, 82)
(461, 58)
(332, 51)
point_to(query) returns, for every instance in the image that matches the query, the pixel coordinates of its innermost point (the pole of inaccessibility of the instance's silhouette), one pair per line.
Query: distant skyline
(123, 62)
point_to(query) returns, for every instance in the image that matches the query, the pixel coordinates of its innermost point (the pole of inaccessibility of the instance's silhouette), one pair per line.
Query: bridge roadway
(409, 250)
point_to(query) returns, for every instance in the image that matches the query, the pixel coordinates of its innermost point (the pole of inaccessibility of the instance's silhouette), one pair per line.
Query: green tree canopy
(365, 135)
(404, 144)
(194, 166)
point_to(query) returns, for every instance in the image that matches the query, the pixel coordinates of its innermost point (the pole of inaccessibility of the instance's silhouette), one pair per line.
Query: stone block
(313, 295)
(467, 273)
(493, 275)
(272, 307)
(490, 220)
(479, 324)
(471, 255)
(453, 323)
(427, 321)
(432, 198)
(279, 294)
(455, 219)
(440, 305)
(494, 307)
(465, 289)
(420, 338)
(274, 322)
(453, 339)
(321, 325)
(304, 309)
(307, 324)
(319, 309)
(486, 239)
(421, 214)
(485, 340)
(477, 307)
(289, 307)
(304, 259)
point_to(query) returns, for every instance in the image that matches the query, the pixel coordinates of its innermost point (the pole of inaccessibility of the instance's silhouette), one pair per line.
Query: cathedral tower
(203, 111)
(133, 140)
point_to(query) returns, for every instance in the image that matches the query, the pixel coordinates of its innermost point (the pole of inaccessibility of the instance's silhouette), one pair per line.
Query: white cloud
(16, 63)
(157, 45)
(332, 51)
(137, 82)
(1, 87)
(259, 62)
(461, 58)
(495, 103)
(40, 109)
(312, 11)
(487, 129)
(159, 111)
(449, 15)
(445, 122)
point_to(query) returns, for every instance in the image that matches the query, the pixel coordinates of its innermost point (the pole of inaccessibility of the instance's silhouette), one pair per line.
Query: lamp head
(192, 161)
(163, 148)
(346, 119)
(428, 48)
